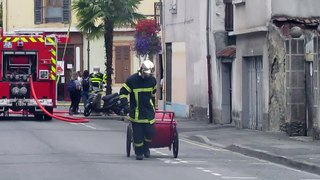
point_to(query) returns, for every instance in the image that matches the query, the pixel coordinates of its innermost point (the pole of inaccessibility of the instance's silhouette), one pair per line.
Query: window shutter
(66, 11)
(38, 12)
(228, 17)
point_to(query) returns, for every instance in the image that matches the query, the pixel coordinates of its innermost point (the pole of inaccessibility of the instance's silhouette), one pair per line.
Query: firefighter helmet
(96, 69)
(147, 67)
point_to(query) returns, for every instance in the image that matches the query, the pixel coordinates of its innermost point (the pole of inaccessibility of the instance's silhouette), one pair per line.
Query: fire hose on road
(62, 118)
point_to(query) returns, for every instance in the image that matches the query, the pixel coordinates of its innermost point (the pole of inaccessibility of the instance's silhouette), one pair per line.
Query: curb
(260, 154)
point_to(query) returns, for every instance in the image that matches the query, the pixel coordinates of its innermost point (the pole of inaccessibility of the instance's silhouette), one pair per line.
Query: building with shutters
(276, 66)
(75, 53)
(264, 66)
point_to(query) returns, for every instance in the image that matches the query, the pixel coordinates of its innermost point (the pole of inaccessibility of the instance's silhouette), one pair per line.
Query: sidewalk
(298, 152)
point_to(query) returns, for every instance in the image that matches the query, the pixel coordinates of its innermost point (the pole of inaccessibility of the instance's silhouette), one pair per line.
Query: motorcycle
(111, 104)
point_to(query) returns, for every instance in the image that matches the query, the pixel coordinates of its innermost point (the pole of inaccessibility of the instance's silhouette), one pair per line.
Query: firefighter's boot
(146, 150)
(139, 157)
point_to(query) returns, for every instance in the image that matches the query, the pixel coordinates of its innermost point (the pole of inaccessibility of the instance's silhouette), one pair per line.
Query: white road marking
(207, 171)
(216, 174)
(159, 152)
(88, 126)
(201, 145)
(169, 161)
(186, 162)
(261, 163)
(228, 177)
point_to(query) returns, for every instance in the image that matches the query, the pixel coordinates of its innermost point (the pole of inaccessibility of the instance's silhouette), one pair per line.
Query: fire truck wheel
(38, 117)
(47, 117)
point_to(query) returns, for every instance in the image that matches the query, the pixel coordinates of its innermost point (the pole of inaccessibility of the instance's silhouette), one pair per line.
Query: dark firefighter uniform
(142, 110)
(98, 79)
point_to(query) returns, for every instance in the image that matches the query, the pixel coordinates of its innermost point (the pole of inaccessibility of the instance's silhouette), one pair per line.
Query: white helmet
(96, 69)
(147, 67)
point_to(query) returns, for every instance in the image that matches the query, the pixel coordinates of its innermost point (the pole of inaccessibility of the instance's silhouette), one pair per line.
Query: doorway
(226, 69)
(253, 92)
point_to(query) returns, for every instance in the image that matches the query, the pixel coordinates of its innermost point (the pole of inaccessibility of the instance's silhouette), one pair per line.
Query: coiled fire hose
(62, 118)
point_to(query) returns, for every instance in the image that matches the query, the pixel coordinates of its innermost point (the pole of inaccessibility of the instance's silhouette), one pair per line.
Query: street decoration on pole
(147, 41)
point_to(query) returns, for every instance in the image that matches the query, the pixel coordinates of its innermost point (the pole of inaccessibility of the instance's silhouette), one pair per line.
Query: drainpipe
(209, 64)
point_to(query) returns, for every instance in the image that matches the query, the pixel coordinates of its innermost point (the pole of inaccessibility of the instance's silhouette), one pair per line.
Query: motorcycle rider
(141, 87)
(98, 80)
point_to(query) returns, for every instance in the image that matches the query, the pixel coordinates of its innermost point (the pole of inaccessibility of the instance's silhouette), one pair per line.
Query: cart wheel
(175, 144)
(129, 139)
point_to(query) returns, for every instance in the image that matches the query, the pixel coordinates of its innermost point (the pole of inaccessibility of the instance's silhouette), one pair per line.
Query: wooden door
(122, 63)
(255, 93)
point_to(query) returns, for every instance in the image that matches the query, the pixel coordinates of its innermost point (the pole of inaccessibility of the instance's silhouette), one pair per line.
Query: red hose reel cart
(166, 133)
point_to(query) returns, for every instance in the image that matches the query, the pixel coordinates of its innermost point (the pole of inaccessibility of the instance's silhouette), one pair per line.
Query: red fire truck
(23, 57)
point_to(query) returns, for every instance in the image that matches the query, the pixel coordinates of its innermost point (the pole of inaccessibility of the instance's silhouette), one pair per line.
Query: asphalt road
(57, 150)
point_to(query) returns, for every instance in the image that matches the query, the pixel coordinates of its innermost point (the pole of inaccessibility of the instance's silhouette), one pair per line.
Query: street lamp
(158, 12)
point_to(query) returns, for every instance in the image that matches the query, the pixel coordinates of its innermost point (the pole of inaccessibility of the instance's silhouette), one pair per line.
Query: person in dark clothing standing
(74, 88)
(141, 87)
(86, 87)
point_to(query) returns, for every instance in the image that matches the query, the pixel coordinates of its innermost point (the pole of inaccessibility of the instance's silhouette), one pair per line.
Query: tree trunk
(108, 44)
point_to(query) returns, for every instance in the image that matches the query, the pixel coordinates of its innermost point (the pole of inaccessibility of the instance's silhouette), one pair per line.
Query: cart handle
(166, 112)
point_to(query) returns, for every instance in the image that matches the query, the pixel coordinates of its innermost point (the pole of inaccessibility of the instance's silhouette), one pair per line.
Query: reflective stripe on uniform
(146, 121)
(138, 144)
(136, 95)
(123, 96)
(96, 79)
(127, 87)
(151, 102)
(147, 140)
(104, 78)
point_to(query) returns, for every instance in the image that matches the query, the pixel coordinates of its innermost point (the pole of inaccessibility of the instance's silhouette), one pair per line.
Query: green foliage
(97, 18)
(93, 15)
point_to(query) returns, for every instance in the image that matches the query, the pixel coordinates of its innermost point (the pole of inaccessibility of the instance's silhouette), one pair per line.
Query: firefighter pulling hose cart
(20, 57)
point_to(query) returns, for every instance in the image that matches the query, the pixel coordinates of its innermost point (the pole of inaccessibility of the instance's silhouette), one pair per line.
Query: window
(54, 11)
(229, 16)
(51, 11)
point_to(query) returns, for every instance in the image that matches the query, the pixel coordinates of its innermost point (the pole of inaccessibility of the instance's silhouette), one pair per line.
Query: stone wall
(287, 83)
(277, 79)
